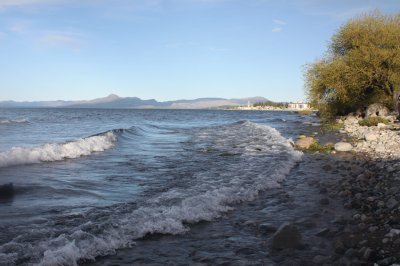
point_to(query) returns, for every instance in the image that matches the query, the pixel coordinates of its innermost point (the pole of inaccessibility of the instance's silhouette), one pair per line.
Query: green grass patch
(318, 147)
(329, 126)
(304, 112)
(373, 121)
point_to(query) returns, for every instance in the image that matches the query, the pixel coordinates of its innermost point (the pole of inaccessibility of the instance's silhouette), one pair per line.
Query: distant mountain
(114, 101)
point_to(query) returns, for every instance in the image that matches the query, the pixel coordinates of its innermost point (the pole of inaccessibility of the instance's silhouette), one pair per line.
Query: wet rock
(343, 146)
(323, 190)
(6, 191)
(287, 236)
(323, 232)
(304, 143)
(267, 228)
(338, 246)
(367, 253)
(324, 201)
(327, 167)
(392, 203)
(350, 253)
(386, 261)
(320, 260)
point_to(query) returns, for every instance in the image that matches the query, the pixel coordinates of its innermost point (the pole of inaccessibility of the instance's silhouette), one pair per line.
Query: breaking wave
(14, 121)
(57, 151)
(229, 164)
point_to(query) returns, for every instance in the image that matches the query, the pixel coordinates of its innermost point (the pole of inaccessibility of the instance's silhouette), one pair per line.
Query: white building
(299, 106)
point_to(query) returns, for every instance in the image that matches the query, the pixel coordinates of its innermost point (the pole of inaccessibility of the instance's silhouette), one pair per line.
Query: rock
(324, 201)
(380, 148)
(343, 146)
(6, 191)
(377, 109)
(351, 119)
(381, 125)
(392, 203)
(368, 136)
(393, 232)
(320, 260)
(367, 253)
(327, 167)
(304, 143)
(323, 232)
(267, 228)
(338, 246)
(287, 236)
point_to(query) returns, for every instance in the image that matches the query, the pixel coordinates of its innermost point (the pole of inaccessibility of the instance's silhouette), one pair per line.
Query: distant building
(299, 106)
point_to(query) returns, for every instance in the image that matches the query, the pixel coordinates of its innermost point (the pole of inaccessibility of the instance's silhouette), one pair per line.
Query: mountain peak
(112, 96)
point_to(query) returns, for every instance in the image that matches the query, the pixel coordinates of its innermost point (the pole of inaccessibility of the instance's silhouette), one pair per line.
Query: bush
(318, 147)
(362, 67)
(331, 125)
(373, 121)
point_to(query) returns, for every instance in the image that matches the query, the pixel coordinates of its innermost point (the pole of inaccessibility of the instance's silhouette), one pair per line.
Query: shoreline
(369, 188)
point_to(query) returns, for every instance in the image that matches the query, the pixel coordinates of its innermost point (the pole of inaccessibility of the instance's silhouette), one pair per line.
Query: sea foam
(14, 121)
(57, 151)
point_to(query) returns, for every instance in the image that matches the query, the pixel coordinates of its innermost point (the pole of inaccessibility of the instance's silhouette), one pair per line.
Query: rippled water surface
(90, 182)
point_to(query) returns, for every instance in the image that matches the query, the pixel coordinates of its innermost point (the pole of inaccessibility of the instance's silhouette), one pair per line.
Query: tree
(362, 66)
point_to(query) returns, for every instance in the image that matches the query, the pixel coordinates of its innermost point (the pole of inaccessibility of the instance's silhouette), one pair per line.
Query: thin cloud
(276, 29)
(61, 39)
(279, 22)
(20, 3)
(20, 26)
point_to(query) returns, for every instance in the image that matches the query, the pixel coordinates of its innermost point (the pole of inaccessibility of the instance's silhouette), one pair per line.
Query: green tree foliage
(362, 66)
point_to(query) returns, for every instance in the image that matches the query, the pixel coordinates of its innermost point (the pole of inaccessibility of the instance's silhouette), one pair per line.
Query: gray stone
(343, 146)
(287, 236)
(392, 203)
(367, 253)
(324, 201)
(267, 228)
(377, 109)
(320, 260)
(323, 232)
(338, 246)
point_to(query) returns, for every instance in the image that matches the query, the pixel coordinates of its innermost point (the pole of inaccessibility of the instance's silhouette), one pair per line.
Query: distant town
(274, 106)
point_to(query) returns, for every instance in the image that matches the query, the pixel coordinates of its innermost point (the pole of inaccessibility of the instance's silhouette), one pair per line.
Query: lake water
(89, 182)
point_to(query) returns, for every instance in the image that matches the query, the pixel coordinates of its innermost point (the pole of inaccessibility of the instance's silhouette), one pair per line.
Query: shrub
(373, 121)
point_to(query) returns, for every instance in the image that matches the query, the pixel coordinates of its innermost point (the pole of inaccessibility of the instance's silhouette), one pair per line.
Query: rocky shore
(368, 163)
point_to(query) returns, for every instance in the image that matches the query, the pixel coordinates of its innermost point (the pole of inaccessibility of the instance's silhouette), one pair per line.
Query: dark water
(90, 182)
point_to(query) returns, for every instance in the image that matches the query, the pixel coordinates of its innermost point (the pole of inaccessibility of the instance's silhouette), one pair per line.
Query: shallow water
(90, 182)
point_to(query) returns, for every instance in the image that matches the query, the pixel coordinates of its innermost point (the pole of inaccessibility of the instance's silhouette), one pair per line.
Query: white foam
(57, 151)
(12, 121)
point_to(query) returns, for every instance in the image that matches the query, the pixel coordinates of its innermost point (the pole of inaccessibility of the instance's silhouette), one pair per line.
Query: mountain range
(114, 101)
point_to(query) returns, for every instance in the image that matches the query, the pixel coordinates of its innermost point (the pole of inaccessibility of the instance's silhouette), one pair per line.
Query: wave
(51, 152)
(262, 159)
(14, 121)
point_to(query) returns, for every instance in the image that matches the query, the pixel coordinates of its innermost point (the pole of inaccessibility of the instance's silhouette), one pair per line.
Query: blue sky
(166, 49)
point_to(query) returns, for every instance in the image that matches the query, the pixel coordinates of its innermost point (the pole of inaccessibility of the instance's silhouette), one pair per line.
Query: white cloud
(19, 3)
(276, 29)
(279, 22)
